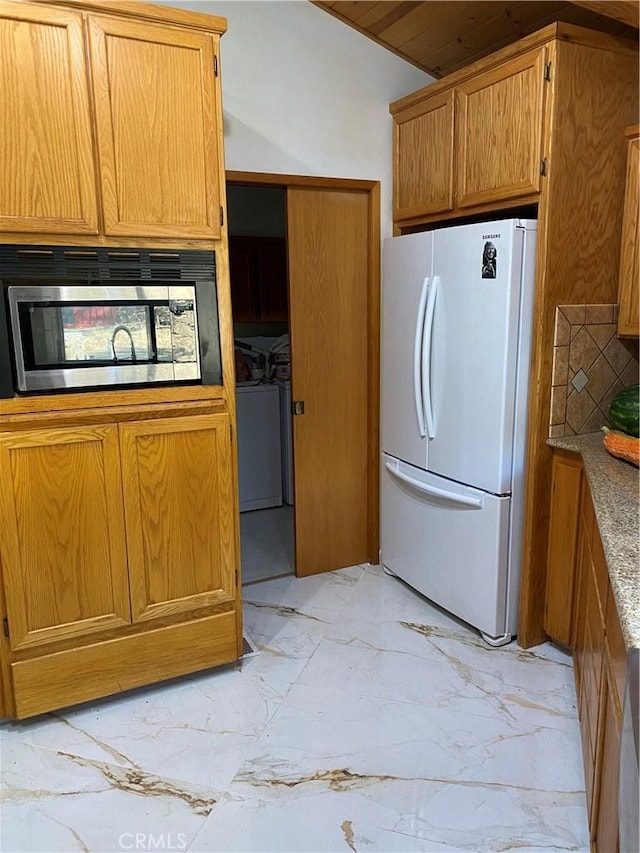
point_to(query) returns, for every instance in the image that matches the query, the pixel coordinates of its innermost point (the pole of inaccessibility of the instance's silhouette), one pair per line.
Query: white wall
(304, 94)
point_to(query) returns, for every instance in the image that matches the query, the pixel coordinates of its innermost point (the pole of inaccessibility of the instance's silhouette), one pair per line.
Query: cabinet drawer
(78, 675)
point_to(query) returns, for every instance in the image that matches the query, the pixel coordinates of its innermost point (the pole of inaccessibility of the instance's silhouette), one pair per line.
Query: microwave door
(47, 333)
(184, 333)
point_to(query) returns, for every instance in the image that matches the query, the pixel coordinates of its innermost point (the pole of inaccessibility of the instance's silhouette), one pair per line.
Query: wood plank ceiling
(440, 36)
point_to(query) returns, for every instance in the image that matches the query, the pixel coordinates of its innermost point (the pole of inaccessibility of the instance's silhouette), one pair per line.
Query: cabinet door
(499, 125)
(242, 275)
(62, 543)
(272, 278)
(259, 283)
(46, 151)
(157, 129)
(566, 478)
(180, 514)
(423, 158)
(629, 313)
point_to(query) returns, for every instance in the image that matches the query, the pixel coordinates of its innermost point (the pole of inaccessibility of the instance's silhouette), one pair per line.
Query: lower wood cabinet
(118, 556)
(594, 632)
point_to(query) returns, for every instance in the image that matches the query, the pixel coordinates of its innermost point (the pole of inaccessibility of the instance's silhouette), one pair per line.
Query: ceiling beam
(627, 11)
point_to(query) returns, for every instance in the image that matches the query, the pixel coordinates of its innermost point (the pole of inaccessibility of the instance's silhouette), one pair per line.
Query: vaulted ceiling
(441, 36)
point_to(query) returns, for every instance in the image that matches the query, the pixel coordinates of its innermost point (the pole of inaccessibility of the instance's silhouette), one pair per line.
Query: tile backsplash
(590, 365)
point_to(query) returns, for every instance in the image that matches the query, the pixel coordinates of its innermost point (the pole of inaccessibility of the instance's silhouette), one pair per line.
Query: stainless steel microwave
(111, 331)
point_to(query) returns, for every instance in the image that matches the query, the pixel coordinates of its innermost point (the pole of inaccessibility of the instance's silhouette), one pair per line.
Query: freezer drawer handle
(465, 500)
(427, 338)
(417, 357)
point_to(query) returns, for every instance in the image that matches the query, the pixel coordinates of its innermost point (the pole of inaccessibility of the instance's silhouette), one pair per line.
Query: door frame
(372, 188)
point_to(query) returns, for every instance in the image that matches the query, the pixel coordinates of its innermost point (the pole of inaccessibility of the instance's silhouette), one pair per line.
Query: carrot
(622, 446)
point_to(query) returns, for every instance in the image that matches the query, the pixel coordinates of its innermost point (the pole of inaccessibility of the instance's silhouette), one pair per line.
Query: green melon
(624, 411)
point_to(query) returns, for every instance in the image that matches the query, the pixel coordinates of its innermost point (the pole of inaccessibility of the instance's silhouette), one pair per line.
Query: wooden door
(423, 158)
(179, 508)
(629, 281)
(157, 131)
(47, 178)
(62, 540)
(499, 126)
(328, 305)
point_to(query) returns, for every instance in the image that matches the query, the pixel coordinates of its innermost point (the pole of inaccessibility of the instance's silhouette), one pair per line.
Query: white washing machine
(259, 446)
(286, 437)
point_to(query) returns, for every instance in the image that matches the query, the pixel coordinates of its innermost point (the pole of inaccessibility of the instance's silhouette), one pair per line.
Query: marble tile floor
(266, 543)
(369, 721)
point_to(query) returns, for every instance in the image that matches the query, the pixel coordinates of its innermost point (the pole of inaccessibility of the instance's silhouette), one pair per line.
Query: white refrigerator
(456, 341)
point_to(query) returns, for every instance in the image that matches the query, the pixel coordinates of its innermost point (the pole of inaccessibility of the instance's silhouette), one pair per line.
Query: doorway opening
(257, 227)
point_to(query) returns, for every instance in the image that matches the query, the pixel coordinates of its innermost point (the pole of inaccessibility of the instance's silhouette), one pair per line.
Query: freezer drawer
(448, 541)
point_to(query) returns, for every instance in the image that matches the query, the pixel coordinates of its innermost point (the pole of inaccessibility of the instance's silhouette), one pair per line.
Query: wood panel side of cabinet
(47, 176)
(499, 131)
(566, 480)
(595, 93)
(423, 158)
(629, 281)
(157, 129)
(179, 507)
(62, 534)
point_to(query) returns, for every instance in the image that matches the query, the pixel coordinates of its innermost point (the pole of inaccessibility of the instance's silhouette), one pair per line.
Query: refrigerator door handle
(433, 491)
(427, 338)
(417, 357)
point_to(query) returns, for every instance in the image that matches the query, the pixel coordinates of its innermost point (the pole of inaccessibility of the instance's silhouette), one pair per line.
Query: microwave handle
(207, 326)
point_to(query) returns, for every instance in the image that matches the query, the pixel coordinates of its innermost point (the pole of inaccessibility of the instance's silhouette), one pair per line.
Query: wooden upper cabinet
(259, 279)
(423, 158)
(62, 534)
(628, 285)
(157, 128)
(178, 496)
(499, 126)
(47, 178)
(471, 143)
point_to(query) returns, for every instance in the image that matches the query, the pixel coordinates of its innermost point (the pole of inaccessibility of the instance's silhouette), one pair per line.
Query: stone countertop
(615, 492)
